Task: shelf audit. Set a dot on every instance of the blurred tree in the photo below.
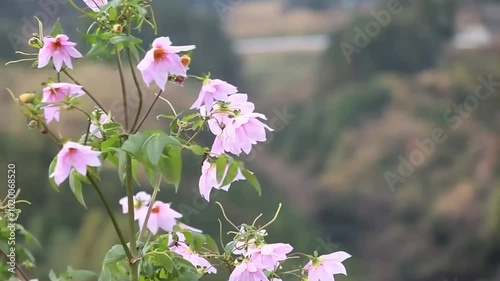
(408, 41)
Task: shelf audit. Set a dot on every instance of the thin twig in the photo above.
(124, 91)
(139, 90)
(113, 219)
(85, 90)
(19, 271)
(147, 112)
(151, 203)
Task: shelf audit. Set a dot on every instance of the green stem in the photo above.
(151, 202)
(124, 91)
(139, 91)
(110, 214)
(131, 221)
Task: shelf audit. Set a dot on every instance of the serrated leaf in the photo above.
(252, 179)
(221, 166)
(76, 188)
(114, 255)
(163, 260)
(134, 143)
(211, 244)
(154, 148)
(232, 172)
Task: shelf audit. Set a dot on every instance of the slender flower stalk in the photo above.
(111, 216)
(133, 245)
(84, 90)
(151, 203)
(147, 112)
(124, 91)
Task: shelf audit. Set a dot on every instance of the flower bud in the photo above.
(27, 98)
(35, 42)
(185, 60)
(117, 28)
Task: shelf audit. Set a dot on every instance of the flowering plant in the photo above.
(158, 246)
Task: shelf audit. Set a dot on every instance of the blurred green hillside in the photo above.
(349, 125)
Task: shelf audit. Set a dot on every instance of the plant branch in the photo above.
(151, 202)
(147, 112)
(131, 221)
(85, 90)
(139, 90)
(19, 271)
(110, 214)
(124, 91)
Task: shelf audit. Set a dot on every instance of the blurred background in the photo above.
(386, 141)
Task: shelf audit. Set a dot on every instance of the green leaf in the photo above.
(162, 259)
(52, 276)
(99, 49)
(112, 142)
(154, 148)
(81, 274)
(232, 172)
(134, 143)
(198, 150)
(122, 165)
(171, 165)
(112, 13)
(211, 244)
(252, 179)
(114, 255)
(76, 187)
(198, 241)
(190, 117)
(52, 167)
(57, 29)
(109, 128)
(124, 38)
(134, 51)
(221, 165)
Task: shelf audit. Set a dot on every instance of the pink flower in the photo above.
(56, 93)
(60, 49)
(269, 255)
(248, 271)
(238, 133)
(208, 179)
(214, 90)
(235, 125)
(141, 202)
(95, 129)
(192, 257)
(162, 60)
(77, 156)
(324, 267)
(161, 217)
(95, 5)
